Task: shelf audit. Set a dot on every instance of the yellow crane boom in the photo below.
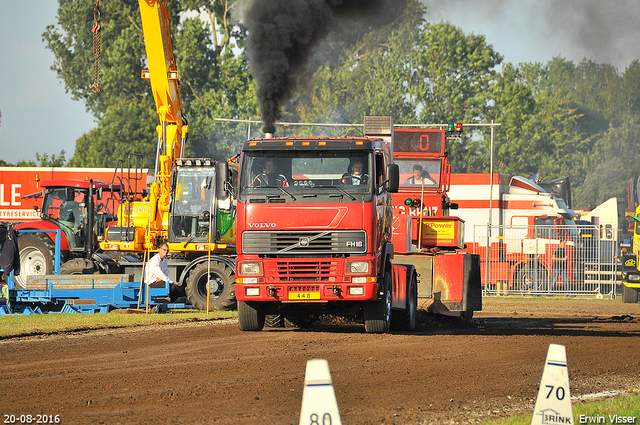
(163, 76)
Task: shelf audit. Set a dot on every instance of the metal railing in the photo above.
(520, 260)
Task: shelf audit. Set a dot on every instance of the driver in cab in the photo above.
(354, 174)
(270, 176)
(420, 177)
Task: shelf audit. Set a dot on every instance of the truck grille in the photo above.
(305, 242)
(309, 271)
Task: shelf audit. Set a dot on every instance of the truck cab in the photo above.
(314, 228)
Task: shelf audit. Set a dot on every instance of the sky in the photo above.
(39, 116)
(605, 31)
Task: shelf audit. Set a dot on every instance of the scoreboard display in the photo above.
(419, 141)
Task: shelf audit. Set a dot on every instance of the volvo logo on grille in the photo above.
(304, 241)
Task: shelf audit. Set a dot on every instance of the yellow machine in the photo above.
(631, 265)
(186, 205)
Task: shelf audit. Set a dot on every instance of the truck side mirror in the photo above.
(393, 178)
(99, 193)
(69, 194)
(222, 177)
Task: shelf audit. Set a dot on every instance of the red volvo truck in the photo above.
(315, 223)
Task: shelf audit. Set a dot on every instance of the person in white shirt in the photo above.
(420, 177)
(157, 268)
(355, 174)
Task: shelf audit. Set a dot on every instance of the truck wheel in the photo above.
(520, 278)
(377, 314)
(523, 275)
(629, 295)
(37, 255)
(294, 320)
(250, 316)
(79, 266)
(222, 290)
(405, 320)
(273, 321)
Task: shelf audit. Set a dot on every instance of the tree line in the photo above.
(558, 118)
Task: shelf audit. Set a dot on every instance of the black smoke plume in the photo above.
(282, 35)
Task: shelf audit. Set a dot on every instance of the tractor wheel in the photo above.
(273, 321)
(222, 289)
(405, 320)
(37, 255)
(629, 295)
(250, 315)
(377, 314)
(79, 266)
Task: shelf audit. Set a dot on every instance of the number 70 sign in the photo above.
(553, 405)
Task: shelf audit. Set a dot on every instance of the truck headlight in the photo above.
(633, 277)
(358, 267)
(250, 268)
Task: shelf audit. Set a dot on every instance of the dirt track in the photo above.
(210, 372)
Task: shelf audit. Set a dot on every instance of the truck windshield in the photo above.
(556, 228)
(305, 174)
(419, 172)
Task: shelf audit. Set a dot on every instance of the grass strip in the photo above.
(43, 324)
(597, 412)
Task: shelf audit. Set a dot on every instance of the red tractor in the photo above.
(81, 211)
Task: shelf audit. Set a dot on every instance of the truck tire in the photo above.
(405, 320)
(377, 314)
(524, 275)
(37, 255)
(629, 295)
(273, 321)
(222, 295)
(294, 320)
(466, 316)
(250, 316)
(79, 266)
(520, 278)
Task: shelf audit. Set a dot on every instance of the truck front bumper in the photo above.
(305, 280)
(305, 291)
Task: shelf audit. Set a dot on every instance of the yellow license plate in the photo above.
(304, 295)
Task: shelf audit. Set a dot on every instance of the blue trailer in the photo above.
(79, 293)
(99, 293)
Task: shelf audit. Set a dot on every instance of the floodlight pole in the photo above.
(490, 222)
(491, 179)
